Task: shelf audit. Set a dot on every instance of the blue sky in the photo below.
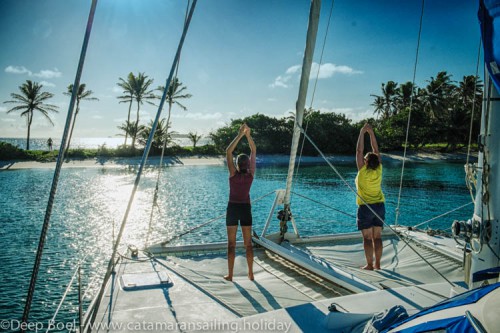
(239, 58)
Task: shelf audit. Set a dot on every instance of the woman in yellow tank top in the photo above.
(370, 199)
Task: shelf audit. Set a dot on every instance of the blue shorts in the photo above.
(239, 212)
(366, 219)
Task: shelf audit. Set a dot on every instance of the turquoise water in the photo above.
(90, 201)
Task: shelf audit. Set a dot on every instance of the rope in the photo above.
(374, 213)
(444, 214)
(143, 161)
(409, 113)
(57, 171)
(206, 223)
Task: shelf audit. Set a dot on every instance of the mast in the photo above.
(312, 31)
(482, 231)
(485, 226)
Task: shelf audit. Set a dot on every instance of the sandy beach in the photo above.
(113, 162)
(220, 160)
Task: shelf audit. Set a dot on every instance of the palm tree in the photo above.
(160, 138)
(31, 99)
(127, 97)
(194, 137)
(404, 96)
(81, 94)
(129, 129)
(436, 96)
(175, 92)
(140, 86)
(386, 104)
(379, 105)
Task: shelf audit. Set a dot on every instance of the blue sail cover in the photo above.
(458, 324)
(489, 18)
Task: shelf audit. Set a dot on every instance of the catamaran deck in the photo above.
(184, 290)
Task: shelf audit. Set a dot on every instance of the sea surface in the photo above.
(90, 204)
(91, 143)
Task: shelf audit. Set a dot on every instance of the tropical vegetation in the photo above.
(30, 99)
(81, 95)
(135, 88)
(444, 113)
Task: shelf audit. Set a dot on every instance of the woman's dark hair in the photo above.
(372, 161)
(242, 163)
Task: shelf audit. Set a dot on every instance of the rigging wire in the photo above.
(111, 262)
(323, 204)
(444, 214)
(409, 113)
(57, 171)
(164, 147)
(207, 222)
(374, 213)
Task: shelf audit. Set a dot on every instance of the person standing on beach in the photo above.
(370, 199)
(239, 208)
(49, 143)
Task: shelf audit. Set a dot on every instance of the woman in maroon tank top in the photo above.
(239, 209)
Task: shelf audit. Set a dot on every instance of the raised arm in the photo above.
(230, 149)
(253, 150)
(373, 142)
(360, 147)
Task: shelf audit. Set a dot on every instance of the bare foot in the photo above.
(377, 267)
(368, 267)
(250, 276)
(228, 278)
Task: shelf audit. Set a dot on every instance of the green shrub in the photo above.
(11, 152)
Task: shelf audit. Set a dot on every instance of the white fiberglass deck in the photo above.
(197, 298)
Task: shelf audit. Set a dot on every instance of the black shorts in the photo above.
(241, 212)
(366, 219)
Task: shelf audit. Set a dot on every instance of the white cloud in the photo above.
(3, 109)
(117, 90)
(18, 70)
(47, 84)
(48, 73)
(96, 116)
(271, 99)
(43, 74)
(280, 81)
(328, 70)
(198, 115)
(325, 71)
(294, 69)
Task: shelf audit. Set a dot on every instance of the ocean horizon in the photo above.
(91, 143)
